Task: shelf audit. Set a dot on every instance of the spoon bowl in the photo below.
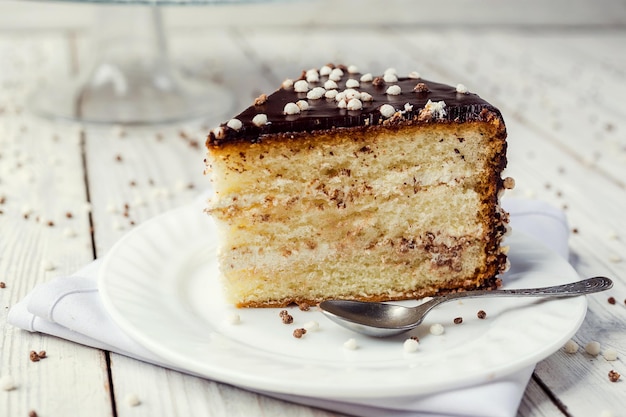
(384, 320)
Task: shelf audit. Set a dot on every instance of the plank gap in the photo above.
(107, 357)
(555, 400)
(83, 156)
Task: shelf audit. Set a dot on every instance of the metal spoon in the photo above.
(383, 320)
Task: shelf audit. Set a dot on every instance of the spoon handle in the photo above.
(586, 286)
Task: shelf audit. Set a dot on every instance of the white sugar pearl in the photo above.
(311, 326)
(593, 348)
(350, 344)
(610, 354)
(331, 94)
(366, 97)
(325, 70)
(260, 120)
(366, 78)
(436, 329)
(571, 347)
(7, 383)
(387, 110)
(354, 104)
(414, 75)
(288, 83)
(460, 88)
(394, 90)
(352, 83)
(47, 265)
(303, 105)
(335, 74)
(316, 93)
(353, 69)
(351, 93)
(312, 76)
(390, 78)
(233, 319)
(410, 345)
(291, 108)
(408, 107)
(234, 124)
(330, 84)
(132, 400)
(301, 86)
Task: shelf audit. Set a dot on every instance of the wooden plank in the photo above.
(578, 13)
(45, 233)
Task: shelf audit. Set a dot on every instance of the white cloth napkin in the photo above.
(70, 308)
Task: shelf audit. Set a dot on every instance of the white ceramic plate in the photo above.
(160, 284)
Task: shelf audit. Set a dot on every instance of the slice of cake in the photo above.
(345, 185)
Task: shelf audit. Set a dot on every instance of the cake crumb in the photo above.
(481, 314)
(2, 284)
(350, 344)
(32, 413)
(421, 88)
(614, 376)
(286, 317)
(304, 306)
(410, 345)
(298, 333)
(458, 320)
(611, 300)
(36, 357)
(570, 347)
(7, 383)
(610, 354)
(436, 329)
(262, 99)
(593, 348)
(132, 400)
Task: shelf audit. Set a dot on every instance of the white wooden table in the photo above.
(557, 71)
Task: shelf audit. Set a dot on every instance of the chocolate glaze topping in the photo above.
(324, 113)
